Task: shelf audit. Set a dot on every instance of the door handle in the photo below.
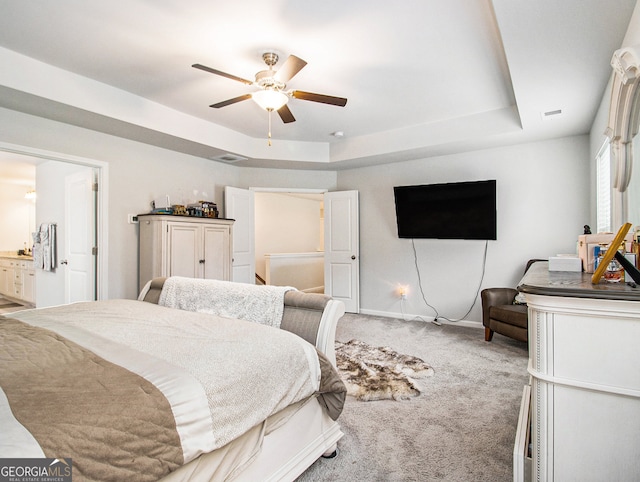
(201, 261)
(353, 256)
(64, 261)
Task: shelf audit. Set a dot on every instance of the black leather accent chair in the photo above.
(501, 315)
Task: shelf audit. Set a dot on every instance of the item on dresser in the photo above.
(618, 241)
(565, 262)
(627, 262)
(588, 243)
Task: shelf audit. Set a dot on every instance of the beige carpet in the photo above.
(461, 428)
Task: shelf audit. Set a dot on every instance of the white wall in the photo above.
(287, 178)
(632, 36)
(17, 217)
(543, 203)
(285, 224)
(138, 173)
(304, 271)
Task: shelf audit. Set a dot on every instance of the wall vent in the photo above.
(229, 158)
(551, 114)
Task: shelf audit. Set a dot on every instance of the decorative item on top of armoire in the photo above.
(188, 246)
(202, 209)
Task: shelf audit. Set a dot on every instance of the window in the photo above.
(633, 191)
(603, 186)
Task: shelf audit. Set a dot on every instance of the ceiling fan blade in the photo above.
(223, 74)
(227, 102)
(285, 114)
(324, 99)
(291, 67)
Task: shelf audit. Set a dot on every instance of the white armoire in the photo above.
(186, 246)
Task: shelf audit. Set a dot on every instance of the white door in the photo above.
(342, 248)
(239, 205)
(79, 260)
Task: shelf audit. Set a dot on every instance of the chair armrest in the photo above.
(493, 297)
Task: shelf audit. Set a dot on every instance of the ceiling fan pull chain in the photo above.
(269, 143)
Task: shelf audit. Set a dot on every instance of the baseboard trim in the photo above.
(426, 319)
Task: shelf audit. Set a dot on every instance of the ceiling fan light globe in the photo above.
(270, 99)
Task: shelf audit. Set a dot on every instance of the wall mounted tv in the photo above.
(459, 210)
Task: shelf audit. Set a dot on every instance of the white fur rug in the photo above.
(379, 373)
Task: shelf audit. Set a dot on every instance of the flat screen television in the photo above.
(459, 210)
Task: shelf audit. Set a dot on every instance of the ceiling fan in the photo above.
(272, 94)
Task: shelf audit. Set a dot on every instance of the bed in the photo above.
(175, 386)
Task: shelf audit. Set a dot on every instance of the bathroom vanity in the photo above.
(17, 278)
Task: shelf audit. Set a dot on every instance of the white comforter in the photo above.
(221, 376)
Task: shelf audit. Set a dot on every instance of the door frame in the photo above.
(102, 174)
(310, 191)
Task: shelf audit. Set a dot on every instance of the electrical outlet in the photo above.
(403, 292)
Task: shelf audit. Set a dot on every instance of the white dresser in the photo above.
(584, 362)
(186, 246)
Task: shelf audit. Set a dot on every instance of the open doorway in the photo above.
(341, 240)
(17, 203)
(289, 239)
(17, 222)
(52, 204)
